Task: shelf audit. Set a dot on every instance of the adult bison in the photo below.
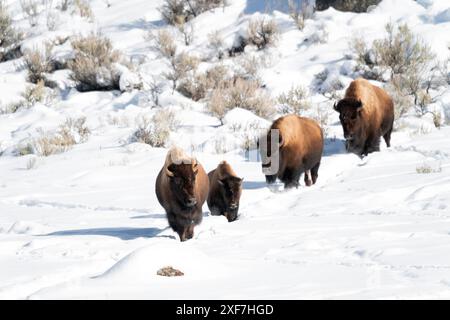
(225, 189)
(297, 150)
(366, 114)
(181, 188)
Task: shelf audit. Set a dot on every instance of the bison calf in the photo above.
(297, 150)
(181, 188)
(366, 114)
(224, 191)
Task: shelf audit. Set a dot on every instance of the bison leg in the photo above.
(308, 178)
(315, 172)
(189, 232)
(291, 178)
(387, 137)
(372, 145)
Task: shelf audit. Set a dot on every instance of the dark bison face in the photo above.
(269, 148)
(231, 188)
(350, 117)
(182, 183)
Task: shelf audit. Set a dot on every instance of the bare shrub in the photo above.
(262, 32)
(365, 58)
(64, 5)
(322, 117)
(181, 65)
(401, 50)
(77, 128)
(249, 66)
(300, 14)
(216, 43)
(34, 94)
(155, 131)
(9, 37)
(173, 12)
(402, 101)
(155, 89)
(241, 93)
(38, 63)
(164, 43)
(187, 30)
(217, 104)
(83, 8)
(296, 100)
(328, 85)
(93, 65)
(30, 9)
(52, 20)
(176, 12)
(197, 86)
(320, 35)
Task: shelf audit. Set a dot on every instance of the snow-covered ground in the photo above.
(86, 223)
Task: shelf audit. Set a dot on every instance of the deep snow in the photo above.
(86, 223)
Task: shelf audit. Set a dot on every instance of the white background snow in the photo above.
(86, 223)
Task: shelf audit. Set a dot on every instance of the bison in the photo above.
(181, 188)
(225, 190)
(298, 150)
(366, 114)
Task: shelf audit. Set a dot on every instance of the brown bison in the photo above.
(225, 190)
(298, 150)
(181, 188)
(366, 113)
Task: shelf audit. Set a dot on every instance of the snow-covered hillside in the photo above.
(86, 223)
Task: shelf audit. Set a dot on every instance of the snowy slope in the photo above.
(86, 223)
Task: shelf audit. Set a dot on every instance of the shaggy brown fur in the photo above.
(181, 188)
(225, 189)
(300, 151)
(366, 114)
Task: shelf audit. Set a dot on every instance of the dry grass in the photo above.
(427, 169)
(92, 68)
(71, 132)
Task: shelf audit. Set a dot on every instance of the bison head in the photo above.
(231, 188)
(350, 112)
(182, 179)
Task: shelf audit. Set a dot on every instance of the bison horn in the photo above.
(169, 173)
(360, 105)
(335, 106)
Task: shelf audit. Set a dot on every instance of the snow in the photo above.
(86, 223)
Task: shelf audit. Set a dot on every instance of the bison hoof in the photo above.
(308, 183)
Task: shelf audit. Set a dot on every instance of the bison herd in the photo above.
(291, 147)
